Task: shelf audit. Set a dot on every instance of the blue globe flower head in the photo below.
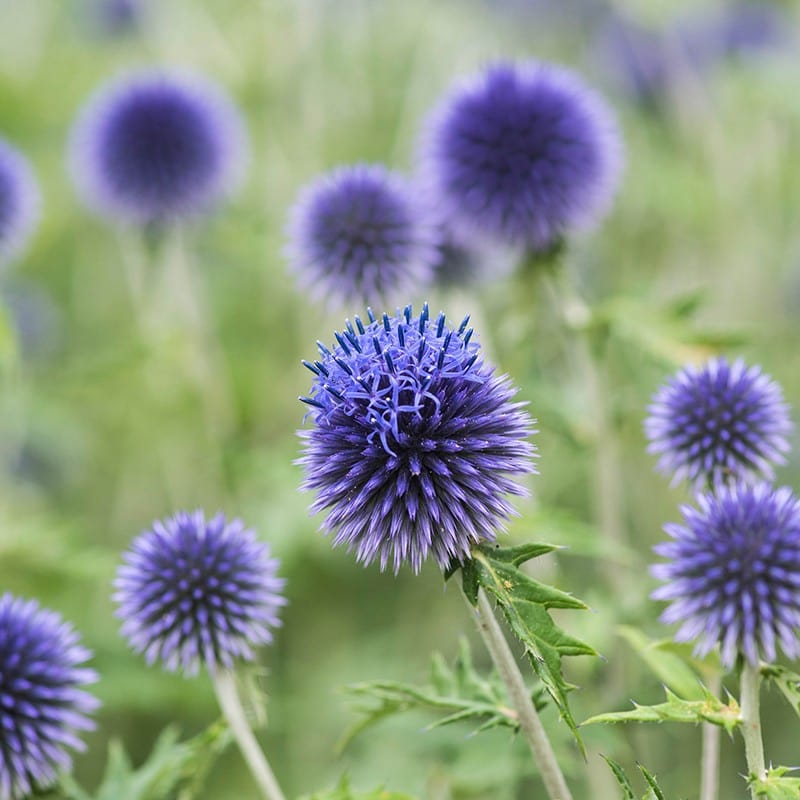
(194, 591)
(718, 422)
(416, 443)
(360, 233)
(42, 703)
(156, 147)
(19, 202)
(522, 155)
(733, 573)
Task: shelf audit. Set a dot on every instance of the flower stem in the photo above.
(231, 705)
(529, 720)
(709, 762)
(751, 722)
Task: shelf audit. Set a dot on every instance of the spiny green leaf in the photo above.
(622, 779)
(172, 765)
(344, 792)
(525, 603)
(460, 691)
(668, 667)
(787, 681)
(777, 785)
(656, 791)
(709, 709)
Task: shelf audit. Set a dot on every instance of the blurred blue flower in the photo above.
(522, 155)
(416, 442)
(194, 591)
(19, 201)
(154, 147)
(42, 704)
(718, 422)
(733, 573)
(745, 29)
(118, 16)
(359, 234)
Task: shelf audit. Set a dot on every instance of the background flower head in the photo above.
(718, 422)
(156, 146)
(360, 234)
(42, 702)
(196, 591)
(733, 573)
(522, 154)
(415, 443)
(19, 201)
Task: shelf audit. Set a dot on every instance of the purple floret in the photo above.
(359, 234)
(155, 147)
(522, 155)
(196, 591)
(416, 442)
(718, 422)
(42, 703)
(19, 201)
(733, 573)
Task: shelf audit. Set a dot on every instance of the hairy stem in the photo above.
(529, 721)
(751, 722)
(231, 705)
(709, 761)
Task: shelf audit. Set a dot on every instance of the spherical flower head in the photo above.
(359, 233)
(416, 442)
(522, 154)
(156, 147)
(19, 202)
(733, 573)
(718, 422)
(42, 704)
(194, 591)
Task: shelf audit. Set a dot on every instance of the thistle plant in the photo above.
(358, 233)
(198, 592)
(43, 704)
(19, 202)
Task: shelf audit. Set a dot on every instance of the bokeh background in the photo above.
(104, 427)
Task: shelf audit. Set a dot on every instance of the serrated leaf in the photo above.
(171, 765)
(622, 779)
(709, 709)
(525, 603)
(777, 785)
(668, 667)
(787, 681)
(344, 792)
(656, 791)
(459, 691)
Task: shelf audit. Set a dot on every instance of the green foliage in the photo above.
(777, 785)
(787, 681)
(459, 691)
(654, 792)
(344, 792)
(173, 769)
(525, 603)
(709, 709)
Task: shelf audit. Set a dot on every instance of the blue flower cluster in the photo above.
(518, 157)
(732, 575)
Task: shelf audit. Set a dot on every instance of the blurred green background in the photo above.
(104, 428)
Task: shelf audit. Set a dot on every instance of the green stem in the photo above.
(709, 761)
(231, 705)
(751, 722)
(529, 721)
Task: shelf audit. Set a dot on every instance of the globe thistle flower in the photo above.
(152, 147)
(416, 442)
(194, 591)
(522, 155)
(360, 233)
(42, 704)
(19, 201)
(718, 422)
(733, 573)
